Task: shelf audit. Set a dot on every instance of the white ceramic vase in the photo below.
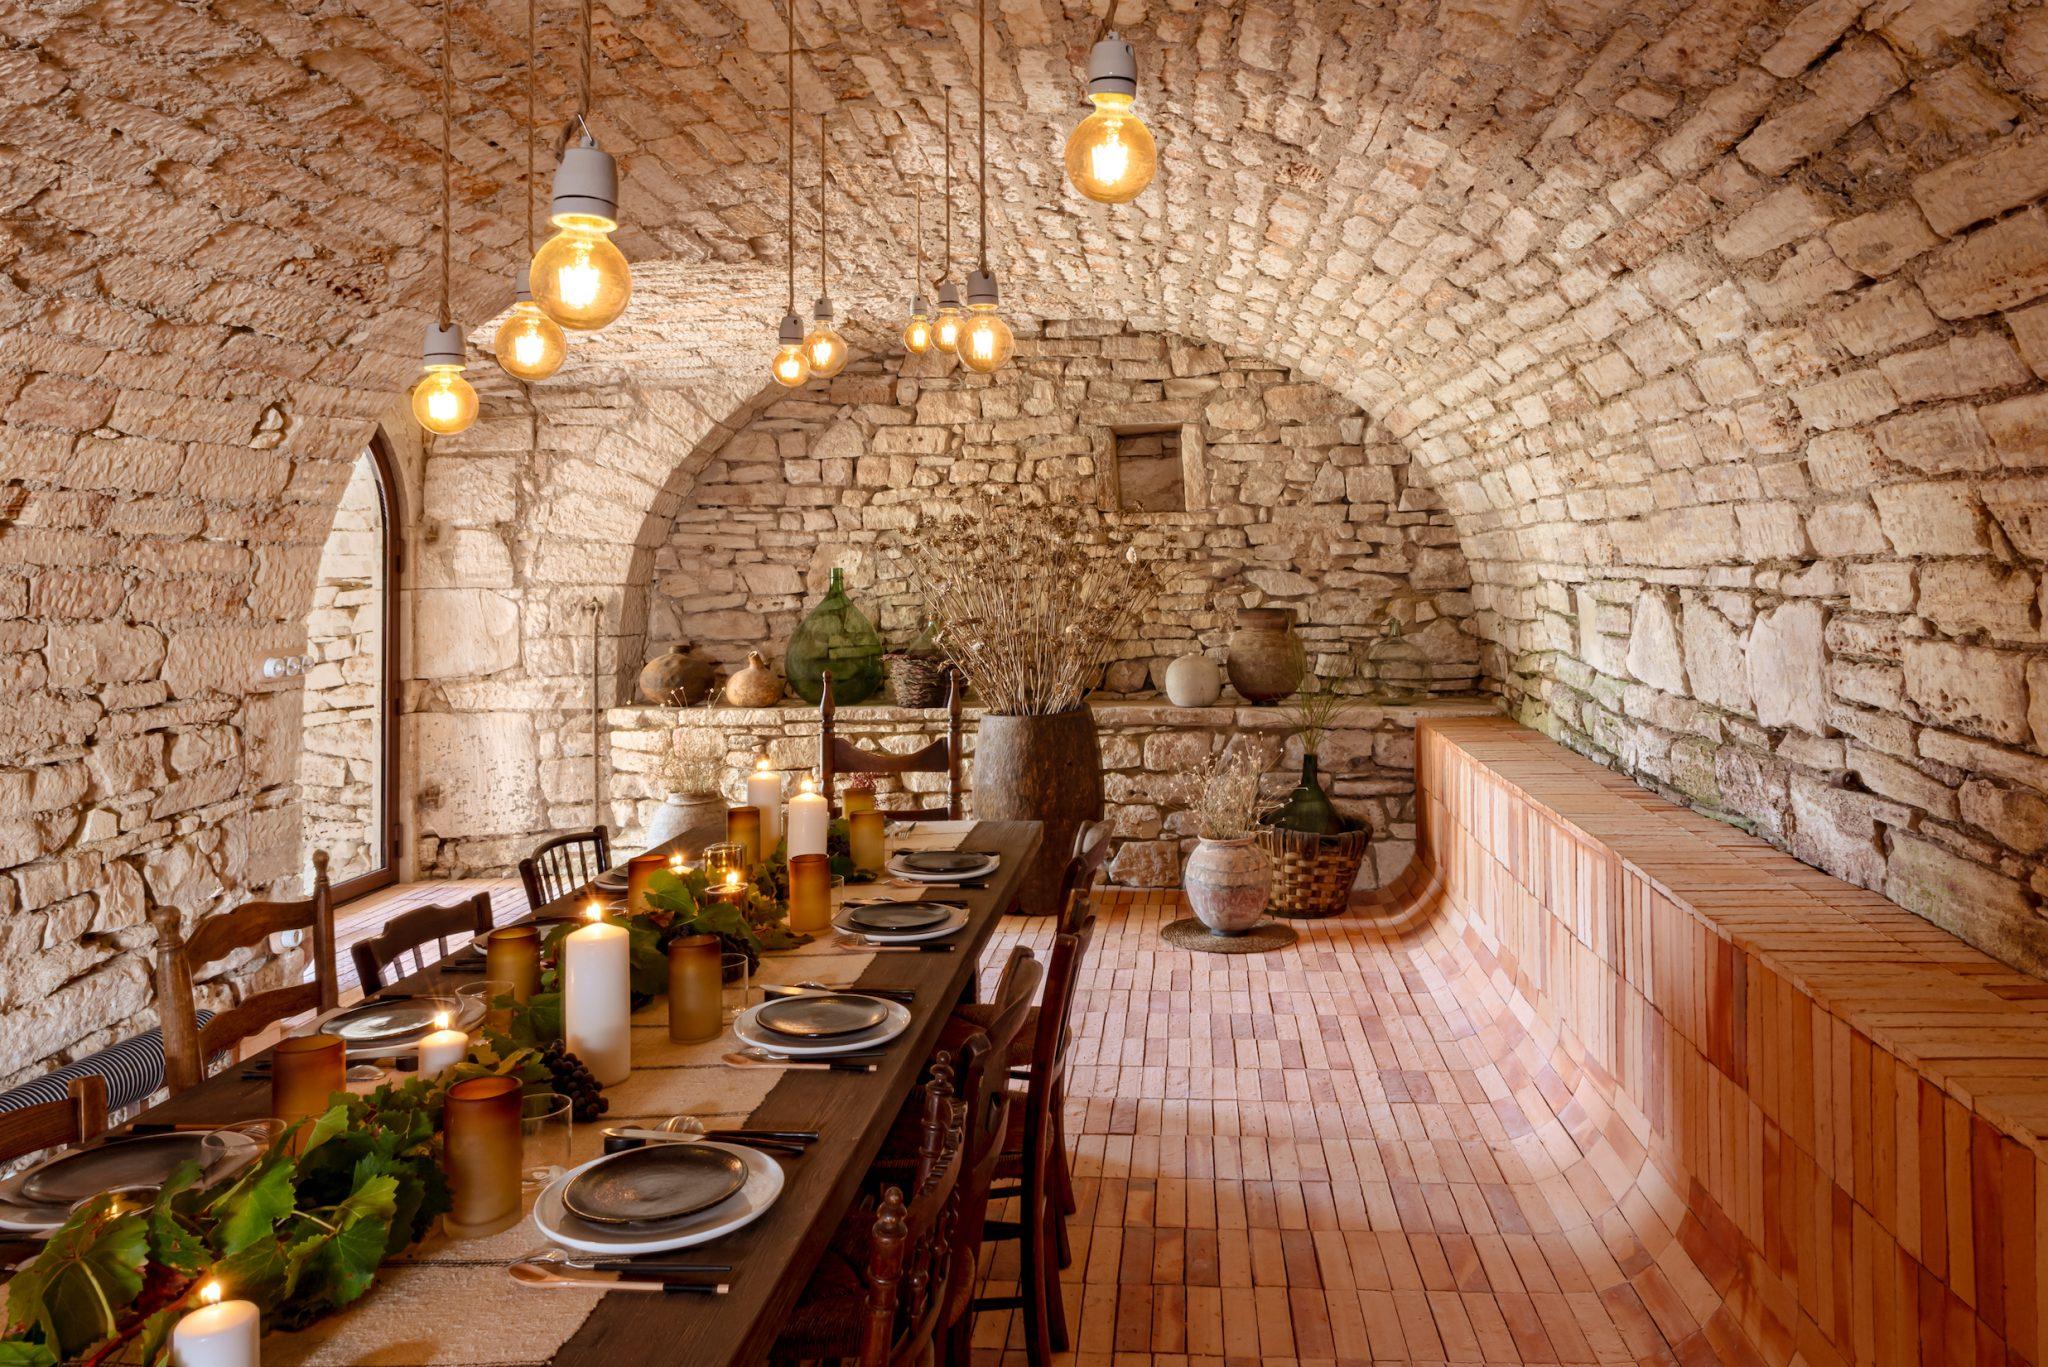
(1226, 882)
(1193, 680)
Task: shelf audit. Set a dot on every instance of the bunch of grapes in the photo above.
(573, 1079)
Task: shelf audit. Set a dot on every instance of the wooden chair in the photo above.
(560, 866)
(80, 1116)
(837, 755)
(879, 1295)
(1091, 852)
(408, 934)
(187, 1044)
(1033, 1160)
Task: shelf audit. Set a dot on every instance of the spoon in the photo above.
(742, 1060)
(533, 1274)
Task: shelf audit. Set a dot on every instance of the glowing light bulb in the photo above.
(791, 366)
(917, 335)
(578, 276)
(1110, 154)
(986, 341)
(946, 328)
(530, 345)
(826, 350)
(443, 402)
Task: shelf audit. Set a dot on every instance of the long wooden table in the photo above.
(852, 1112)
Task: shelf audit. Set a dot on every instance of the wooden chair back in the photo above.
(1091, 852)
(187, 1044)
(407, 935)
(564, 863)
(1046, 1076)
(911, 1260)
(52, 1124)
(837, 755)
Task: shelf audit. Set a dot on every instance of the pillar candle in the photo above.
(443, 1049)
(638, 870)
(810, 893)
(764, 790)
(743, 828)
(597, 997)
(512, 955)
(856, 800)
(696, 997)
(809, 815)
(864, 836)
(481, 1122)
(218, 1334)
(306, 1070)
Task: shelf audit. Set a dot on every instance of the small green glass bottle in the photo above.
(1308, 808)
(838, 637)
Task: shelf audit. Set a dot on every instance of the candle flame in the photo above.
(810, 786)
(210, 1293)
(440, 1020)
(761, 765)
(594, 912)
(732, 878)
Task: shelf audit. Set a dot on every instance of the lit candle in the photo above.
(764, 790)
(864, 832)
(678, 866)
(597, 997)
(512, 955)
(809, 815)
(443, 1049)
(743, 828)
(810, 894)
(218, 1334)
(638, 870)
(732, 889)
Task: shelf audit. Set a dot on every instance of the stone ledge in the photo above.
(1110, 714)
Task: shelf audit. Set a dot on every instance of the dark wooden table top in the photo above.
(852, 1112)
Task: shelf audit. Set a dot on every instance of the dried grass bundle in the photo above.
(1222, 792)
(1029, 602)
(688, 766)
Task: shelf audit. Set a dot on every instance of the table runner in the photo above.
(449, 1303)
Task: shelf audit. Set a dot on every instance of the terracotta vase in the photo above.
(1226, 882)
(1266, 661)
(1045, 769)
(677, 679)
(754, 686)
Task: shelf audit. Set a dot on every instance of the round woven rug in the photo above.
(1188, 933)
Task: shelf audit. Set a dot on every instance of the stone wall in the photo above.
(341, 751)
(1294, 498)
(1368, 764)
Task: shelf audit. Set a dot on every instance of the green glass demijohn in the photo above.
(1308, 808)
(836, 636)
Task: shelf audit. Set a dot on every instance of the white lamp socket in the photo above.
(286, 666)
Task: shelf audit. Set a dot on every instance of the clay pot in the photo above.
(754, 686)
(1045, 769)
(1266, 661)
(677, 679)
(680, 812)
(1226, 882)
(1193, 680)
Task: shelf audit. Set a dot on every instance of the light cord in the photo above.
(823, 292)
(583, 109)
(946, 264)
(447, 141)
(790, 178)
(981, 93)
(532, 79)
(1108, 14)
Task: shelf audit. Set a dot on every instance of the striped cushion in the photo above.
(134, 1068)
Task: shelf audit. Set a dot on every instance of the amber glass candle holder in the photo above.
(810, 893)
(696, 997)
(512, 955)
(743, 828)
(864, 836)
(723, 858)
(638, 870)
(305, 1071)
(855, 800)
(483, 1129)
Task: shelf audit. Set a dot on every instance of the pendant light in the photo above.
(917, 333)
(578, 275)
(530, 345)
(1110, 154)
(946, 327)
(985, 339)
(791, 365)
(443, 401)
(824, 345)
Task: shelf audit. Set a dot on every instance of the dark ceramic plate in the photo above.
(658, 1182)
(822, 1016)
(898, 916)
(381, 1022)
(942, 861)
(145, 1161)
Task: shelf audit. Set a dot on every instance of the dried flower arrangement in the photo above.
(1320, 704)
(687, 766)
(1222, 792)
(1025, 602)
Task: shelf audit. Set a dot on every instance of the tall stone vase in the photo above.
(1045, 769)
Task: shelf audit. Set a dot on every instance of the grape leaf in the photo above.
(15, 1353)
(250, 1211)
(87, 1271)
(171, 1242)
(544, 1015)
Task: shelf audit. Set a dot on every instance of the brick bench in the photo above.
(1837, 1108)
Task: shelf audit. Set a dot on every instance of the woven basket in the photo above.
(919, 680)
(1312, 874)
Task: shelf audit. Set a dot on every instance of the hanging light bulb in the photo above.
(1110, 154)
(529, 345)
(946, 326)
(792, 363)
(824, 346)
(578, 276)
(917, 333)
(985, 340)
(443, 402)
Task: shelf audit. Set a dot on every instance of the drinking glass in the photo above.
(546, 1130)
(479, 995)
(736, 969)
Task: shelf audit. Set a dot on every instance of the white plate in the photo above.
(743, 1207)
(896, 870)
(611, 880)
(30, 1218)
(954, 920)
(466, 1013)
(761, 1037)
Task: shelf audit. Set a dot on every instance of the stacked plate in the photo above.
(900, 922)
(941, 866)
(385, 1027)
(38, 1199)
(821, 1023)
(660, 1197)
(611, 880)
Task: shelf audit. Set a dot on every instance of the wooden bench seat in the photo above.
(1835, 1108)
